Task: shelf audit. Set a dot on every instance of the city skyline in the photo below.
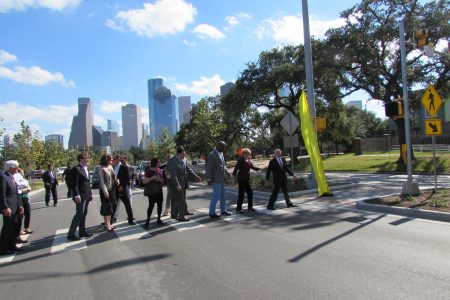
(107, 52)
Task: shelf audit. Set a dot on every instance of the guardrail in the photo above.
(425, 148)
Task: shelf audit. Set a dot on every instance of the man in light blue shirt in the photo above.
(216, 172)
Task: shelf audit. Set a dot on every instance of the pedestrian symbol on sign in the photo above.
(431, 100)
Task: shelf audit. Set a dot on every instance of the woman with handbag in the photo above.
(107, 179)
(154, 181)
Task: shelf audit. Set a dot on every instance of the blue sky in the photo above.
(54, 51)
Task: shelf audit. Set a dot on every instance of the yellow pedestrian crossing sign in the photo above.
(433, 127)
(431, 100)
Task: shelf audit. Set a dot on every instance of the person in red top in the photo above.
(242, 173)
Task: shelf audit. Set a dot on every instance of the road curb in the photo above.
(404, 211)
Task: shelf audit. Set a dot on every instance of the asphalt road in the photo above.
(322, 249)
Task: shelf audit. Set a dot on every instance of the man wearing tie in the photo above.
(50, 183)
(10, 207)
(178, 183)
(278, 166)
(81, 196)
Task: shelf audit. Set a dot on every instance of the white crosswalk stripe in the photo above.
(62, 244)
(126, 232)
(9, 258)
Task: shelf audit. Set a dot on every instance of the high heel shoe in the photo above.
(108, 229)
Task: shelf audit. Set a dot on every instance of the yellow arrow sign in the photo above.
(433, 127)
(431, 100)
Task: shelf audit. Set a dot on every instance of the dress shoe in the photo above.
(183, 220)
(17, 249)
(159, 222)
(291, 205)
(73, 238)
(225, 213)
(173, 217)
(251, 209)
(239, 211)
(270, 208)
(86, 234)
(189, 213)
(132, 223)
(20, 241)
(214, 216)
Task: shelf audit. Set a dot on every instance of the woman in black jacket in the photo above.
(242, 172)
(154, 176)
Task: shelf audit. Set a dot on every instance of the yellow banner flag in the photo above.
(309, 136)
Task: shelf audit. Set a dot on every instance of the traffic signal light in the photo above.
(394, 109)
(422, 37)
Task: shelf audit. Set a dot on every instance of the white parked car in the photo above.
(60, 171)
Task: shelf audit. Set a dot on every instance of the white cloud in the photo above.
(6, 5)
(112, 106)
(232, 20)
(205, 86)
(205, 31)
(100, 121)
(145, 115)
(6, 57)
(35, 76)
(35, 117)
(289, 29)
(188, 43)
(162, 18)
(236, 19)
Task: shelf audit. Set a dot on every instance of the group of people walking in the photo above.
(15, 206)
(115, 181)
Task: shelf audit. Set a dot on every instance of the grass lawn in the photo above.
(381, 163)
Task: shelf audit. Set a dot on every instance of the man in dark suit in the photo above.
(82, 194)
(10, 207)
(124, 177)
(50, 184)
(178, 183)
(279, 167)
(66, 178)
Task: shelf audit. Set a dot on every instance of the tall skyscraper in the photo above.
(163, 109)
(55, 137)
(110, 139)
(6, 140)
(112, 125)
(225, 89)
(184, 109)
(97, 136)
(81, 132)
(131, 126)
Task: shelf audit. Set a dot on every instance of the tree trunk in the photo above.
(402, 140)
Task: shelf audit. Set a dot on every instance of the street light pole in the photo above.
(409, 187)
(309, 75)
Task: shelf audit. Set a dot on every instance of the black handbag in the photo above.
(106, 209)
(151, 188)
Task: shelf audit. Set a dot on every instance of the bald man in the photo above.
(279, 168)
